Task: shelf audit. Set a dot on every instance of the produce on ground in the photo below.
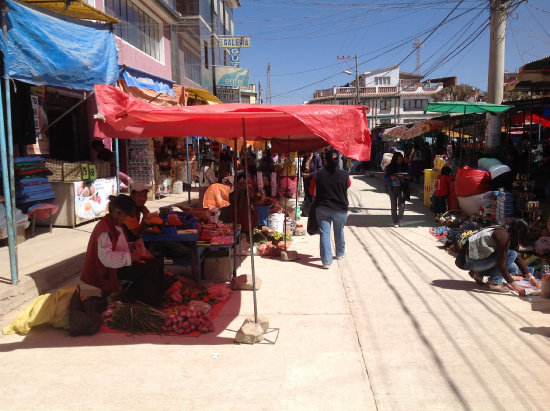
(186, 319)
(134, 318)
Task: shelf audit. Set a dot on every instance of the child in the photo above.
(442, 190)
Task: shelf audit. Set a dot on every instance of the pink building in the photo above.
(143, 35)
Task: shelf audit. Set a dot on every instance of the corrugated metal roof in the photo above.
(74, 8)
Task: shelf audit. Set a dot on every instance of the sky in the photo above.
(303, 40)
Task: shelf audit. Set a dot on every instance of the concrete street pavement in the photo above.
(395, 325)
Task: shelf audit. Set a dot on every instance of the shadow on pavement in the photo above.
(422, 264)
(544, 331)
(466, 286)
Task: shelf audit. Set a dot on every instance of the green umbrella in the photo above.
(464, 107)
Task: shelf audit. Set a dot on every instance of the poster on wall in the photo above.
(92, 198)
(42, 145)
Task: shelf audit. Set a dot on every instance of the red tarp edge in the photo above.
(303, 126)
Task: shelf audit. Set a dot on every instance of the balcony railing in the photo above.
(351, 91)
(323, 93)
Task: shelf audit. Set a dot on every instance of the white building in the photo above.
(394, 97)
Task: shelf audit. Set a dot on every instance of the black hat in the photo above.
(124, 203)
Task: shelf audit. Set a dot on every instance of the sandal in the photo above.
(475, 276)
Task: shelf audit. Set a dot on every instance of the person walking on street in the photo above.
(416, 162)
(311, 165)
(397, 176)
(329, 186)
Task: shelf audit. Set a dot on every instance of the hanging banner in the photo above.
(232, 76)
(42, 145)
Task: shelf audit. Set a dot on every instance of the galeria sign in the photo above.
(235, 41)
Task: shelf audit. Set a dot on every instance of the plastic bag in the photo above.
(220, 291)
(48, 309)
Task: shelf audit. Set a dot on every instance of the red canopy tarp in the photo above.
(519, 118)
(288, 127)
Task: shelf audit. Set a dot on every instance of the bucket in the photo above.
(276, 222)
(430, 175)
(177, 187)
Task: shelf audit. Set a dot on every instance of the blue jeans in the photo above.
(487, 267)
(324, 218)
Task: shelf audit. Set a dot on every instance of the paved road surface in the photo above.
(394, 326)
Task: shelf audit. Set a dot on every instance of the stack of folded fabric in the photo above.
(20, 220)
(31, 182)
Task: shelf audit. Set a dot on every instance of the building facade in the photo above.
(195, 45)
(393, 96)
(143, 35)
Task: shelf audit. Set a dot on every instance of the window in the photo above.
(215, 6)
(414, 104)
(192, 65)
(382, 81)
(227, 23)
(206, 55)
(385, 104)
(136, 27)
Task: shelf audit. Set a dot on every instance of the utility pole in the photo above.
(417, 44)
(268, 91)
(357, 79)
(357, 89)
(495, 83)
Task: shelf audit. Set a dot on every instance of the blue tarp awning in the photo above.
(45, 48)
(143, 80)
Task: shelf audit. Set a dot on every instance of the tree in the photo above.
(460, 92)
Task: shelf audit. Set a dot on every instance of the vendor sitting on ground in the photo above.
(110, 260)
(134, 222)
(492, 252)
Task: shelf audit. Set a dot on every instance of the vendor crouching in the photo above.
(110, 260)
(492, 252)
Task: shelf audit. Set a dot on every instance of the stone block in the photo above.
(289, 255)
(244, 282)
(262, 320)
(250, 333)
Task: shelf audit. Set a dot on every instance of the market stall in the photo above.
(296, 127)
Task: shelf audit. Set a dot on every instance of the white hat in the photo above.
(140, 187)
